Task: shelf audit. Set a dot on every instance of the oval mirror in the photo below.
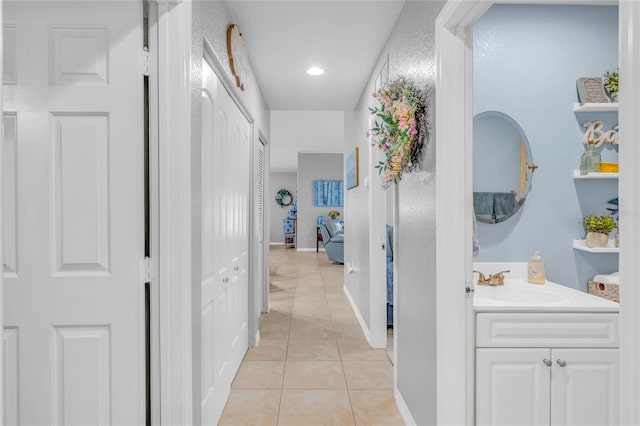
(502, 167)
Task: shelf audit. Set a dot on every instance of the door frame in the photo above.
(174, 210)
(454, 201)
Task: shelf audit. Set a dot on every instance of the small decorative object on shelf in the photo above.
(594, 132)
(611, 84)
(614, 212)
(590, 90)
(399, 128)
(333, 214)
(284, 197)
(598, 229)
(590, 160)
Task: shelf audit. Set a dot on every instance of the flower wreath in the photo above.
(284, 197)
(399, 128)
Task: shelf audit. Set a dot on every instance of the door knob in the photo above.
(561, 363)
(547, 362)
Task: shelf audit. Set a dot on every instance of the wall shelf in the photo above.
(582, 245)
(591, 107)
(595, 175)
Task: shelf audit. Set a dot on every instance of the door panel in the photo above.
(585, 391)
(73, 293)
(512, 387)
(225, 193)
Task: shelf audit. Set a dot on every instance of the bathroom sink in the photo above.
(518, 294)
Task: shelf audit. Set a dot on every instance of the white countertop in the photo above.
(519, 295)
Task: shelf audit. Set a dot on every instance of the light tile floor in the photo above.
(313, 365)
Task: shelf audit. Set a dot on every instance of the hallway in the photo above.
(313, 364)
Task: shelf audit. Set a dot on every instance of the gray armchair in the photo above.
(333, 242)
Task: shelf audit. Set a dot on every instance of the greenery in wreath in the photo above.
(399, 127)
(284, 197)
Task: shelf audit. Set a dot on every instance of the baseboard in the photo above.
(276, 244)
(257, 337)
(309, 249)
(356, 311)
(403, 409)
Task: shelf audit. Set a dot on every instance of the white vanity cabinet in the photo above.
(527, 373)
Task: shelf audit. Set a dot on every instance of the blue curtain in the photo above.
(328, 193)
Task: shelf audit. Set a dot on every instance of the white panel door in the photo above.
(225, 216)
(584, 387)
(74, 336)
(512, 387)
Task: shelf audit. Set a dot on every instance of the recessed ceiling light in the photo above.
(315, 71)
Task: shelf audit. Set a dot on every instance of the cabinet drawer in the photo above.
(534, 330)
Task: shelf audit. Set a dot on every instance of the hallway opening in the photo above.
(313, 364)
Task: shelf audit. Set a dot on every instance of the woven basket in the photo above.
(606, 291)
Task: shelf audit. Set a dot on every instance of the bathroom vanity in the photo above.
(544, 354)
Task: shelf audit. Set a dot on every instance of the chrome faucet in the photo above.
(494, 280)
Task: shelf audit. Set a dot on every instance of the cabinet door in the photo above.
(584, 387)
(512, 386)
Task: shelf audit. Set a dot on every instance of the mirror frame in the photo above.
(531, 167)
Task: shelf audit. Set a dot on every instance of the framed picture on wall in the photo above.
(328, 193)
(352, 169)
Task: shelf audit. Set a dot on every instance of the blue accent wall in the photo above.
(526, 61)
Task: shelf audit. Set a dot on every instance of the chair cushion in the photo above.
(338, 238)
(331, 227)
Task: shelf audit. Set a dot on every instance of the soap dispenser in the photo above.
(535, 272)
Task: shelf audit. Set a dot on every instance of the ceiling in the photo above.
(285, 38)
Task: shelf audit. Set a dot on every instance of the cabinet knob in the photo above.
(561, 363)
(547, 362)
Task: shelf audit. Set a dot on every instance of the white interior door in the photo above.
(260, 280)
(73, 193)
(225, 243)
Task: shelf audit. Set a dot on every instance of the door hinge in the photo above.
(468, 291)
(145, 62)
(149, 270)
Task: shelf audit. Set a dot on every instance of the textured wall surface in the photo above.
(210, 20)
(315, 166)
(526, 62)
(411, 50)
(278, 181)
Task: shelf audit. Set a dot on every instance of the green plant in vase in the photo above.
(611, 84)
(598, 229)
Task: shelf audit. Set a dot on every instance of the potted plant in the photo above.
(598, 229)
(611, 84)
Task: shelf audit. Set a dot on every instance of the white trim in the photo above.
(2, 209)
(276, 244)
(453, 121)
(313, 249)
(629, 24)
(377, 254)
(356, 311)
(174, 151)
(403, 409)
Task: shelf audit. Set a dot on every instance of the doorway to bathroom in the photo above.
(454, 53)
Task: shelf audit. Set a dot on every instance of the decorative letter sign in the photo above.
(594, 132)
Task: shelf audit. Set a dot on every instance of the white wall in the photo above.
(303, 131)
(410, 48)
(315, 166)
(278, 181)
(211, 19)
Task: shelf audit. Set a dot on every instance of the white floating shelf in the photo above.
(582, 245)
(595, 175)
(591, 107)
